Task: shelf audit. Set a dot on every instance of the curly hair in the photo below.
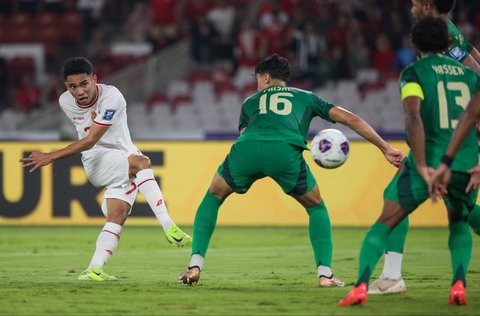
(431, 35)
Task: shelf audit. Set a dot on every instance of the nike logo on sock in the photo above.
(160, 202)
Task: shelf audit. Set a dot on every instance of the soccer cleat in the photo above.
(190, 276)
(95, 274)
(458, 294)
(324, 281)
(177, 237)
(384, 285)
(357, 296)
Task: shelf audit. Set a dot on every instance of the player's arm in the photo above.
(473, 60)
(362, 128)
(416, 133)
(39, 159)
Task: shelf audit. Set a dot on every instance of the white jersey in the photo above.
(109, 108)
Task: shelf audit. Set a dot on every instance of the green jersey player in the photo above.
(390, 280)
(435, 91)
(273, 125)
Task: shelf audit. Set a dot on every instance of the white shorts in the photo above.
(109, 169)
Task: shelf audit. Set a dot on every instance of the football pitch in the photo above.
(248, 271)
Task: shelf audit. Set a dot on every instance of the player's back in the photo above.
(447, 87)
(281, 113)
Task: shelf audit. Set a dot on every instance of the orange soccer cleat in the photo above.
(356, 296)
(458, 294)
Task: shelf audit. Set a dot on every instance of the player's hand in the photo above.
(474, 178)
(439, 182)
(36, 160)
(426, 173)
(394, 156)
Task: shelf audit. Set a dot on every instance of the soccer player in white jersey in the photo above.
(110, 160)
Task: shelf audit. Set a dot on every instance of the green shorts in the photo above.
(252, 160)
(409, 190)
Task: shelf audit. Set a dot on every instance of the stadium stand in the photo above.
(198, 57)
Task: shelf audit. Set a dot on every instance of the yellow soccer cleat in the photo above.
(177, 237)
(95, 274)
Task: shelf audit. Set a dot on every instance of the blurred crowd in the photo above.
(324, 39)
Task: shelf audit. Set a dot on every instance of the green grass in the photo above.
(248, 271)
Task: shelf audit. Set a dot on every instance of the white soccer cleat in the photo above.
(384, 285)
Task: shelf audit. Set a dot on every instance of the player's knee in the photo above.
(139, 163)
(118, 216)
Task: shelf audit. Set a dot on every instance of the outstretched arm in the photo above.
(39, 159)
(362, 128)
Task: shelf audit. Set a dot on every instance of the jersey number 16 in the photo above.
(278, 103)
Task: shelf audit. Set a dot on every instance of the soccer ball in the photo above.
(330, 148)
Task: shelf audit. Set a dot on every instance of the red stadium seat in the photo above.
(18, 66)
(71, 25)
(50, 37)
(199, 74)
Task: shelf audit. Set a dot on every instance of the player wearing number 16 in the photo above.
(273, 125)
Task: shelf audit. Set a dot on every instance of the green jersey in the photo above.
(445, 88)
(459, 47)
(282, 114)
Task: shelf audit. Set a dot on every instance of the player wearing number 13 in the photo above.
(435, 91)
(273, 125)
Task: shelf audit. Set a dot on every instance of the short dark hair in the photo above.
(75, 66)
(277, 66)
(444, 6)
(431, 35)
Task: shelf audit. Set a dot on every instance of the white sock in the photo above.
(324, 271)
(392, 268)
(107, 242)
(148, 186)
(196, 260)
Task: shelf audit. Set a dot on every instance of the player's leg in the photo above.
(295, 178)
(140, 168)
(107, 241)
(372, 249)
(235, 174)
(460, 245)
(320, 232)
(391, 280)
(405, 193)
(458, 204)
(204, 226)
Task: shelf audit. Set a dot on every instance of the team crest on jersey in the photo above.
(456, 53)
(93, 115)
(108, 114)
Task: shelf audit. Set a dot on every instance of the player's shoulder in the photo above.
(66, 99)
(109, 90)
(251, 97)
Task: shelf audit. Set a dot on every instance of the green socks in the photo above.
(460, 245)
(396, 239)
(205, 222)
(320, 234)
(372, 249)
